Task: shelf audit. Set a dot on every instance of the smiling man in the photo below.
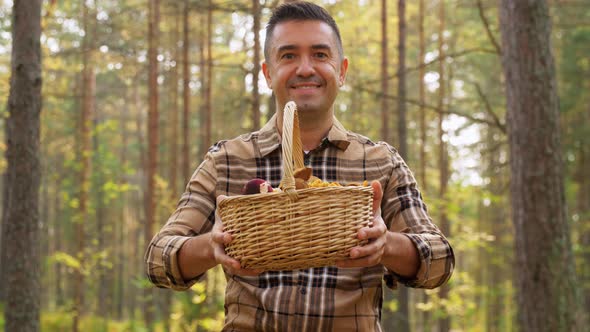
(304, 63)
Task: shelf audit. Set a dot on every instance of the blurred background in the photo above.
(434, 89)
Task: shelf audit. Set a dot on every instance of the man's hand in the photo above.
(372, 253)
(219, 239)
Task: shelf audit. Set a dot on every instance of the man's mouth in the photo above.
(303, 84)
(306, 86)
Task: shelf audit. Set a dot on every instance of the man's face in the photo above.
(304, 65)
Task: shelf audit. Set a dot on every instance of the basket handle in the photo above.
(292, 148)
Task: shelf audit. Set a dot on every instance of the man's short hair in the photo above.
(300, 11)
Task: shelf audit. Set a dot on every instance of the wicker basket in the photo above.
(295, 229)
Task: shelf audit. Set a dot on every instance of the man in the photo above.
(304, 62)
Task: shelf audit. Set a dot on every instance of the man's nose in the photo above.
(305, 67)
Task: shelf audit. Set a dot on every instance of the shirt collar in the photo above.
(269, 138)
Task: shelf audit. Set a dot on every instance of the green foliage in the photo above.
(59, 321)
(56, 321)
(66, 259)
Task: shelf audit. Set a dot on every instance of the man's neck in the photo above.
(313, 127)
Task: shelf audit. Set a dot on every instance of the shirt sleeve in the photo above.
(405, 212)
(194, 215)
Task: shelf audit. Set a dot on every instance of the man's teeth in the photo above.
(305, 87)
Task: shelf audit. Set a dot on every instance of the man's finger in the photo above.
(220, 198)
(359, 262)
(375, 229)
(224, 259)
(371, 232)
(377, 196)
(367, 250)
(221, 237)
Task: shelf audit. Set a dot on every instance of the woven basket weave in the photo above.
(295, 229)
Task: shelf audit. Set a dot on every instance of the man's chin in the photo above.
(306, 107)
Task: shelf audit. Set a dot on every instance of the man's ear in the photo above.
(343, 70)
(266, 73)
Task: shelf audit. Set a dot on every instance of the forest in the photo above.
(487, 101)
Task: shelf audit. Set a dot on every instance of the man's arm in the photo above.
(400, 255)
(195, 257)
(409, 245)
(418, 260)
(187, 228)
(405, 212)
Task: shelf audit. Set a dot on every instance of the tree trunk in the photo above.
(445, 320)
(206, 115)
(101, 230)
(401, 85)
(44, 224)
(425, 317)
(404, 310)
(389, 318)
(421, 96)
(58, 238)
(153, 138)
(186, 95)
(494, 221)
(256, 68)
(583, 207)
(384, 79)
(137, 232)
(122, 224)
(3, 257)
(546, 284)
(203, 79)
(21, 217)
(173, 159)
(85, 152)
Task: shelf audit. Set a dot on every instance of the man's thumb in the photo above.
(377, 195)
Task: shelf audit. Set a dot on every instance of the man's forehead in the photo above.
(297, 32)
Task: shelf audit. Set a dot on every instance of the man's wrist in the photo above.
(400, 255)
(389, 248)
(196, 256)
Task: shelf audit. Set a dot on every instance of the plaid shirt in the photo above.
(318, 299)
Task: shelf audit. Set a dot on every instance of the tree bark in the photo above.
(445, 320)
(85, 152)
(122, 225)
(494, 221)
(203, 79)
(21, 216)
(186, 95)
(173, 138)
(384, 77)
(137, 232)
(583, 206)
(206, 115)
(401, 77)
(153, 139)
(104, 277)
(404, 310)
(546, 284)
(425, 317)
(256, 68)
(58, 246)
(389, 318)
(421, 98)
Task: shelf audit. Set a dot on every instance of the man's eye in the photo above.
(288, 56)
(321, 55)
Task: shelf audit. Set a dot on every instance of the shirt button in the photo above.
(303, 291)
